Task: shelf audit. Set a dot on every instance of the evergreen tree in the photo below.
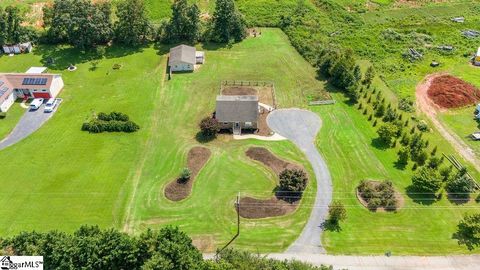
(228, 23)
(132, 27)
(184, 24)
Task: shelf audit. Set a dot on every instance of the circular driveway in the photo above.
(301, 127)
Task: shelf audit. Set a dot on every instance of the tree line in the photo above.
(90, 247)
(86, 24)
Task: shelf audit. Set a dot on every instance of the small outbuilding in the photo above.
(237, 112)
(18, 48)
(184, 58)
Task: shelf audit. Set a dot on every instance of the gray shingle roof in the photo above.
(182, 53)
(237, 108)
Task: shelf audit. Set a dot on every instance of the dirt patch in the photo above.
(205, 244)
(239, 91)
(178, 190)
(449, 92)
(275, 206)
(264, 91)
(270, 160)
(427, 106)
(399, 198)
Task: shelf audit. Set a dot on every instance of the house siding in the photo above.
(7, 103)
(181, 67)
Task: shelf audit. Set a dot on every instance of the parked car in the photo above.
(51, 105)
(36, 103)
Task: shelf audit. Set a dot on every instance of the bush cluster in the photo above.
(378, 194)
(292, 183)
(112, 122)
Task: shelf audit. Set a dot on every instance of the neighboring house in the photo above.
(477, 112)
(25, 85)
(18, 48)
(184, 58)
(476, 60)
(237, 112)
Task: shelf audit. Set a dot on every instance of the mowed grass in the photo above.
(60, 177)
(208, 215)
(420, 227)
(8, 123)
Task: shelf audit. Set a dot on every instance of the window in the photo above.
(248, 124)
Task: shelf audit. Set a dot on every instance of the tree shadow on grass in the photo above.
(59, 57)
(421, 197)
(203, 138)
(458, 199)
(329, 225)
(379, 144)
(287, 196)
(400, 165)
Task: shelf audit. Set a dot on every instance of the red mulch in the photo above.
(178, 190)
(450, 92)
(273, 207)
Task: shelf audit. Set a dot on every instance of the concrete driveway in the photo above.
(301, 127)
(30, 122)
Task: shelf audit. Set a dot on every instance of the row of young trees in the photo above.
(166, 249)
(86, 23)
(431, 174)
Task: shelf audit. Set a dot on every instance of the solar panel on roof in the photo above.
(34, 81)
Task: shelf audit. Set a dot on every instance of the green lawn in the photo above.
(208, 215)
(109, 179)
(8, 123)
(60, 177)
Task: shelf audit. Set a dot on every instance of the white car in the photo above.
(36, 103)
(51, 105)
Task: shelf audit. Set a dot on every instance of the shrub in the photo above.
(3, 115)
(292, 183)
(336, 212)
(185, 175)
(427, 180)
(112, 122)
(378, 194)
(422, 126)
(461, 185)
(209, 126)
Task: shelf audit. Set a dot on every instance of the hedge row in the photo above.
(112, 122)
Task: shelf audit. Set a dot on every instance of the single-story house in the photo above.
(476, 60)
(237, 112)
(184, 58)
(18, 48)
(25, 85)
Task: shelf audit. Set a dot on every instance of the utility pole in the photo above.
(237, 206)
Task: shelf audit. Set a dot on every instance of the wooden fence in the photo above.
(252, 84)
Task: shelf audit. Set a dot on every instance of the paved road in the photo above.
(30, 122)
(457, 262)
(301, 127)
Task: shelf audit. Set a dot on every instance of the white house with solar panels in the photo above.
(26, 86)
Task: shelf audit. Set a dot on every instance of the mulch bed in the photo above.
(450, 92)
(266, 157)
(398, 196)
(197, 158)
(273, 207)
(239, 91)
